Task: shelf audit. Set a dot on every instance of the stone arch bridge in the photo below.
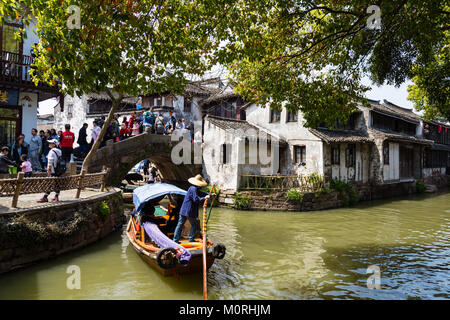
(122, 156)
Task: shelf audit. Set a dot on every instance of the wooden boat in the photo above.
(127, 192)
(167, 260)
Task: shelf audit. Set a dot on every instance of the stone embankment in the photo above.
(277, 201)
(31, 235)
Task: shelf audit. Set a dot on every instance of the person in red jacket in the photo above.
(66, 144)
(133, 118)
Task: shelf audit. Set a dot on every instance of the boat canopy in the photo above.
(152, 191)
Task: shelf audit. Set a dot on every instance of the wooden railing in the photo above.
(22, 185)
(14, 68)
(311, 183)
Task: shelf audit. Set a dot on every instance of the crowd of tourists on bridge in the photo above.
(32, 156)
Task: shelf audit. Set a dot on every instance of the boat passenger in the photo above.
(189, 208)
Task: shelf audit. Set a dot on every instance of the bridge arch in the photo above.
(122, 156)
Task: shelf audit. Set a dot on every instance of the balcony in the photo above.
(14, 72)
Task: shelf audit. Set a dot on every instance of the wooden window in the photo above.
(275, 116)
(9, 43)
(187, 105)
(292, 116)
(350, 155)
(225, 152)
(69, 111)
(386, 153)
(299, 154)
(336, 154)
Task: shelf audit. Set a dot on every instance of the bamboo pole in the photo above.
(19, 182)
(205, 278)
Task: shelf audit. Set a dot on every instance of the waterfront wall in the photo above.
(32, 235)
(277, 201)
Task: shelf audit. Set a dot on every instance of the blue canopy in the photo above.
(153, 190)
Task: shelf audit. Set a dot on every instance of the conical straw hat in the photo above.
(198, 181)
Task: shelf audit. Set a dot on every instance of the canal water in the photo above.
(275, 255)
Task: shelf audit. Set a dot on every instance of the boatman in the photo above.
(189, 208)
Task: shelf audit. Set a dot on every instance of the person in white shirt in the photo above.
(95, 131)
(52, 161)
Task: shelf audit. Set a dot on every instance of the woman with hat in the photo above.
(189, 208)
(52, 161)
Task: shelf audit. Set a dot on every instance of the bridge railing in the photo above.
(22, 185)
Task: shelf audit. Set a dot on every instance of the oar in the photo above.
(210, 207)
(205, 278)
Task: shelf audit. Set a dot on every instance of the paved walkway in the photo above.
(28, 201)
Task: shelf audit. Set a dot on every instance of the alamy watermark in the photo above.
(234, 146)
(374, 20)
(74, 280)
(374, 281)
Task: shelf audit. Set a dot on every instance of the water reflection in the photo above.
(276, 255)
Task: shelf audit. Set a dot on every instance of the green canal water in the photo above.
(274, 255)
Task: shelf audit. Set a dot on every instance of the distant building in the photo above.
(87, 108)
(45, 122)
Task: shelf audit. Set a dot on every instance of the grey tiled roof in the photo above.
(398, 137)
(240, 127)
(390, 109)
(104, 96)
(335, 136)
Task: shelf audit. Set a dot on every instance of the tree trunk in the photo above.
(112, 111)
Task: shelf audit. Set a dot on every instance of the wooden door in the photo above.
(406, 162)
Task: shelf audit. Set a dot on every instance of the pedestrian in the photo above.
(179, 125)
(53, 135)
(135, 128)
(26, 166)
(115, 128)
(66, 144)
(53, 156)
(149, 120)
(145, 166)
(159, 124)
(189, 208)
(35, 150)
(18, 149)
(141, 122)
(82, 140)
(152, 175)
(123, 131)
(45, 149)
(131, 122)
(42, 135)
(60, 135)
(172, 122)
(5, 161)
(95, 131)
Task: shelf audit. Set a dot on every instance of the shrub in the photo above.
(293, 195)
(347, 194)
(103, 210)
(242, 202)
(353, 197)
(420, 186)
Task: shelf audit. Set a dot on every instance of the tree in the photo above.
(312, 55)
(431, 89)
(122, 47)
